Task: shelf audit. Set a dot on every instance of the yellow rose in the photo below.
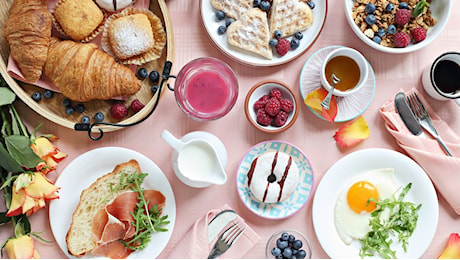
(21, 248)
(48, 152)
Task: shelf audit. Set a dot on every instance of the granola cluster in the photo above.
(385, 17)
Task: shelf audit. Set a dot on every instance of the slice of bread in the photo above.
(79, 237)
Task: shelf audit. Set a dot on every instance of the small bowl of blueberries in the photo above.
(288, 244)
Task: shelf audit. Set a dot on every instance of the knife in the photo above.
(218, 223)
(406, 114)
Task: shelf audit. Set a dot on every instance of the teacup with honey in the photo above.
(349, 66)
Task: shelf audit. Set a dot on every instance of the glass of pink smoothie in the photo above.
(206, 89)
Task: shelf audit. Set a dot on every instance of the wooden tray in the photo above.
(54, 110)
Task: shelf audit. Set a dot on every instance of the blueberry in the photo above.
(37, 96)
(66, 102)
(276, 251)
(281, 244)
(229, 21)
(256, 3)
(142, 73)
(295, 43)
(265, 6)
(295, 252)
(85, 119)
(284, 236)
(280, 256)
(403, 5)
(377, 39)
(154, 76)
(381, 32)
(99, 117)
(287, 252)
(391, 29)
(291, 238)
(301, 254)
(278, 34)
(297, 244)
(48, 94)
(370, 19)
(273, 42)
(69, 110)
(311, 4)
(80, 108)
(389, 7)
(298, 35)
(370, 8)
(221, 30)
(154, 89)
(220, 15)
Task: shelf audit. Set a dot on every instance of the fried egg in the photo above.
(353, 208)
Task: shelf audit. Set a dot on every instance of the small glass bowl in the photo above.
(271, 243)
(206, 89)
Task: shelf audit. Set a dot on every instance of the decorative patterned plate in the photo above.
(348, 107)
(298, 198)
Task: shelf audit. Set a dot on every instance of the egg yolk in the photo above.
(359, 194)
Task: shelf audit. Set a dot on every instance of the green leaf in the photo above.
(3, 218)
(14, 124)
(418, 10)
(19, 148)
(6, 96)
(7, 162)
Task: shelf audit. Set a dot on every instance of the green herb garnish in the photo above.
(420, 7)
(393, 217)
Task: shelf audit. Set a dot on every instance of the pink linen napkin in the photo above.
(195, 242)
(443, 170)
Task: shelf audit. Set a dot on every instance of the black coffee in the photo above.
(447, 76)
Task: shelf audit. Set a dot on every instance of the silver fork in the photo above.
(424, 119)
(226, 240)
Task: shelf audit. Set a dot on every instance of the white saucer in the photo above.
(348, 107)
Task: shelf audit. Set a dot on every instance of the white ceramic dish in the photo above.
(406, 170)
(298, 198)
(440, 10)
(310, 35)
(84, 170)
(348, 107)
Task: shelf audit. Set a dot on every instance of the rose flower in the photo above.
(22, 247)
(48, 152)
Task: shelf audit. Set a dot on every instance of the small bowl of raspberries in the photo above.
(271, 106)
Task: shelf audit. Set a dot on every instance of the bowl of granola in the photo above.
(397, 26)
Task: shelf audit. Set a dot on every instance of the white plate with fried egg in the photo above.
(386, 170)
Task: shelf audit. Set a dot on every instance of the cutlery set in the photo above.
(227, 237)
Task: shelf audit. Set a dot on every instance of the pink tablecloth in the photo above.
(313, 135)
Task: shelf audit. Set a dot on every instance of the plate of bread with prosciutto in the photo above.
(115, 203)
(85, 61)
(263, 32)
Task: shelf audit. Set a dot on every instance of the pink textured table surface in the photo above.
(313, 135)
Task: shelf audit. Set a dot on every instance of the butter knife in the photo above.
(406, 114)
(218, 223)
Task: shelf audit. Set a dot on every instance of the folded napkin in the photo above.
(195, 242)
(443, 170)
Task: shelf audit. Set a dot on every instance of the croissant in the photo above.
(82, 72)
(28, 32)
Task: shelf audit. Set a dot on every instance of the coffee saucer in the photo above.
(348, 107)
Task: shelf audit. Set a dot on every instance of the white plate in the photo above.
(309, 36)
(406, 170)
(298, 198)
(84, 170)
(348, 107)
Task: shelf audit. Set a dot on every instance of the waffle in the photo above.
(232, 8)
(251, 33)
(290, 16)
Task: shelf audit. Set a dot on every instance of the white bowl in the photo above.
(440, 10)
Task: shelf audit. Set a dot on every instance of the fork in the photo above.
(424, 119)
(226, 240)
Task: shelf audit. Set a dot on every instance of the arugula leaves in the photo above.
(393, 217)
(420, 7)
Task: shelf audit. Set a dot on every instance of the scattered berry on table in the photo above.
(136, 105)
(391, 29)
(69, 110)
(377, 39)
(221, 29)
(280, 120)
(283, 47)
(48, 94)
(278, 34)
(370, 8)
(99, 117)
(262, 118)
(265, 6)
(220, 15)
(154, 76)
(402, 17)
(295, 43)
(260, 103)
(370, 19)
(256, 3)
(311, 4)
(37, 96)
(142, 73)
(229, 21)
(286, 105)
(389, 7)
(118, 111)
(403, 5)
(298, 35)
(273, 42)
(401, 39)
(276, 93)
(66, 102)
(85, 119)
(419, 34)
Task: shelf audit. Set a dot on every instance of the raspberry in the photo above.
(283, 47)
(261, 102)
(281, 118)
(401, 39)
(402, 17)
(136, 105)
(286, 105)
(273, 106)
(419, 34)
(262, 118)
(118, 111)
(276, 93)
